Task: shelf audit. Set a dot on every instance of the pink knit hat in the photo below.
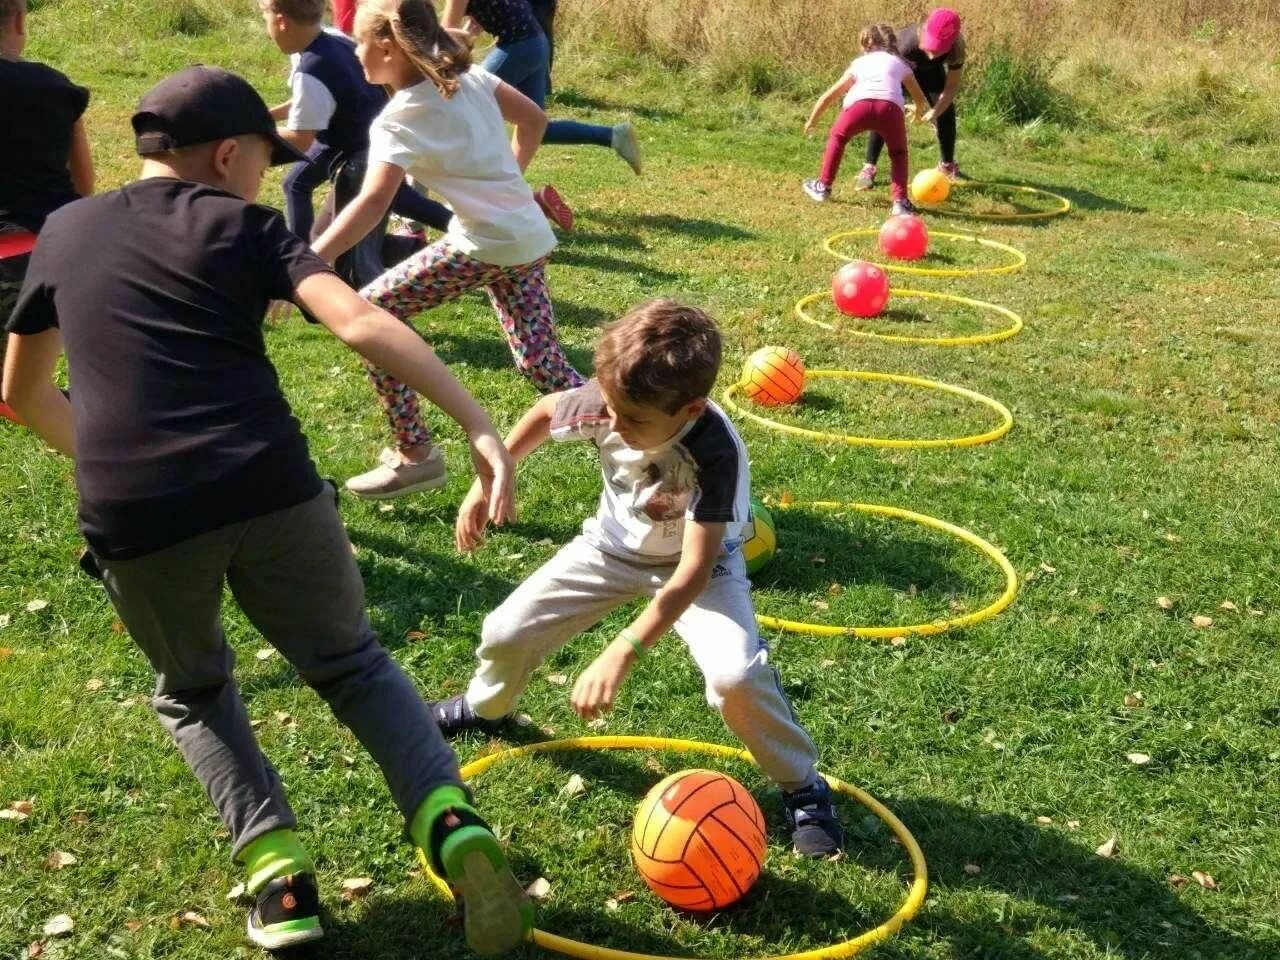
(941, 28)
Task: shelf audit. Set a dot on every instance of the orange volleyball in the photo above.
(772, 376)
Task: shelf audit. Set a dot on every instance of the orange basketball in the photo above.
(698, 840)
(773, 375)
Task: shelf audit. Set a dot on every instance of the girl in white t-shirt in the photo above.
(872, 92)
(444, 124)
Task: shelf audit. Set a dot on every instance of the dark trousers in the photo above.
(946, 124)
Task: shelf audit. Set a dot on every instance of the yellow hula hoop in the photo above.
(586, 951)
(1063, 208)
(1015, 325)
(918, 629)
(1017, 263)
(972, 440)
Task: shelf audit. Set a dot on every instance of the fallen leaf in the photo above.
(625, 896)
(1073, 824)
(128, 702)
(817, 559)
(190, 918)
(35, 606)
(544, 542)
(540, 889)
(822, 604)
(523, 720)
(284, 719)
(5, 619)
(611, 905)
(60, 859)
(59, 926)
(353, 888)
(786, 499)
(80, 819)
(6, 653)
(23, 806)
(835, 590)
(11, 814)
(952, 715)
(898, 642)
(576, 786)
(236, 892)
(1044, 821)
(599, 723)
(1178, 881)
(133, 926)
(386, 508)
(1138, 759)
(1134, 699)
(255, 724)
(1201, 622)
(266, 653)
(416, 635)
(117, 626)
(1164, 603)
(1228, 605)
(652, 765)
(972, 869)
(827, 664)
(1045, 568)
(1108, 849)
(559, 679)
(93, 685)
(912, 590)
(1204, 880)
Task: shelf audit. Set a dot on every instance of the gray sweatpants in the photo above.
(293, 574)
(577, 587)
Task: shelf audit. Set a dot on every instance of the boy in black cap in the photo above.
(192, 471)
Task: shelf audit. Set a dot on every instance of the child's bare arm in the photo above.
(454, 11)
(362, 214)
(531, 432)
(302, 139)
(281, 110)
(529, 120)
(598, 686)
(835, 92)
(29, 365)
(80, 160)
(917, 96)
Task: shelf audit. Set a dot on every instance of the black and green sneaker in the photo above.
(287, 913)
(497, 914)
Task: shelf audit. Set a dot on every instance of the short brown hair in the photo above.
(300, 11)
(662, 354)
(11, 8)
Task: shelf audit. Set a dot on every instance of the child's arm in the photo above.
(396, 347)
(80, 160)
(302, 139)
(281, 110)
(29, 365)
(596, 688)
(454, 11)
(917, 96)
(835, 92)
(362, 214)
(528, 435)
(529, 120)
(948, 95)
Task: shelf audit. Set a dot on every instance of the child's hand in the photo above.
(595, 690)
(473, 517)
(930, 115)
(808, 127)
(496, 472)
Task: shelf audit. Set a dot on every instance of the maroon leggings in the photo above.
(885, 118)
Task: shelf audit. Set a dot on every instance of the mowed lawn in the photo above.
(1137, 492)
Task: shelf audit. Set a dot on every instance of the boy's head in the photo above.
(656, 367)
(13, 27)
(208, 125)
(293, 24)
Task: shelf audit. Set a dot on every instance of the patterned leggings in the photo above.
(519, 295)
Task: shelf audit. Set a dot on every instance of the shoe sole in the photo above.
(434, 484)
(556, 210)
(284, 939)
(863, 187)
(497, 913)
(629, 150)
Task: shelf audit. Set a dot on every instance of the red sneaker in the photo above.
(6, 411)
(554, 207)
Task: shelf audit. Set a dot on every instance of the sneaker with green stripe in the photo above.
(286, 914)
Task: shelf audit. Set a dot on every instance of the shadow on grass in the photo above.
(569, 99)
(492, 353)
(602, 261)
(1080, 200)
(688, 226)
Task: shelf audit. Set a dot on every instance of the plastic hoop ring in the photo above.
(1017, 263)
(918, 629)
(1063, 208)
(1013, 329)
(897, 443)
(586, 951)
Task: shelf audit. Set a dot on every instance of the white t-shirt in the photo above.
(699, 474)
(311, 106)
(877, 76)
(459, 148)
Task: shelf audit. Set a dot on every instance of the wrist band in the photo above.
(630, 637)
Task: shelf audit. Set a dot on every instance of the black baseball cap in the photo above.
(203, 104)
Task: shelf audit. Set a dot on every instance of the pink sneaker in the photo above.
(553, 205)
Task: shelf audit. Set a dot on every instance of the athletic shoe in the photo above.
(867, 178)
(901, 207)
(953, 172)
(553, 205)
(287, 913)
(815, 830)
(817, 190)
(6, 411)
(455, 715)
(626, 145)
(497, 914)
(395, 477)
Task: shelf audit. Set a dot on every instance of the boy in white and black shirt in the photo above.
(669, 526)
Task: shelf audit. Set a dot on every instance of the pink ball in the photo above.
(860, 289)
(904, 237)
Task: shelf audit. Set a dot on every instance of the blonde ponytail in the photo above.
(412, 25)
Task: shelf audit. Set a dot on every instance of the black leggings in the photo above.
(946, 124)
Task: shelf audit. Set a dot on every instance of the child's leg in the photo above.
(720, 631)
(568, 594)
(523, 304)
(300, 185)
(946, 125)
(853, 120)
(362, 264)
(891, 124)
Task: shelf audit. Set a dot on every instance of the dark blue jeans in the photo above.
(526, 65)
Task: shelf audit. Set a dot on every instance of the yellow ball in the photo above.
(930, 187)
(759, 538)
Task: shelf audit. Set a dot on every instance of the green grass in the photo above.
(1142, 465)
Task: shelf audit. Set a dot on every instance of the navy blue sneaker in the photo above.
(815, 831)
(456, 716)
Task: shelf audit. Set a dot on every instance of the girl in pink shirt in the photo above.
(872, 92)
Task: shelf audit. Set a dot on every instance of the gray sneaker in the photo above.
(818, 191)
(901, 207)
(626, 145)
(866, 179)
(395, 478)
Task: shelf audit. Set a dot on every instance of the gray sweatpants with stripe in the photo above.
(293, 575)
(577, 587)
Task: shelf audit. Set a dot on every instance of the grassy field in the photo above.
(1142, 466)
